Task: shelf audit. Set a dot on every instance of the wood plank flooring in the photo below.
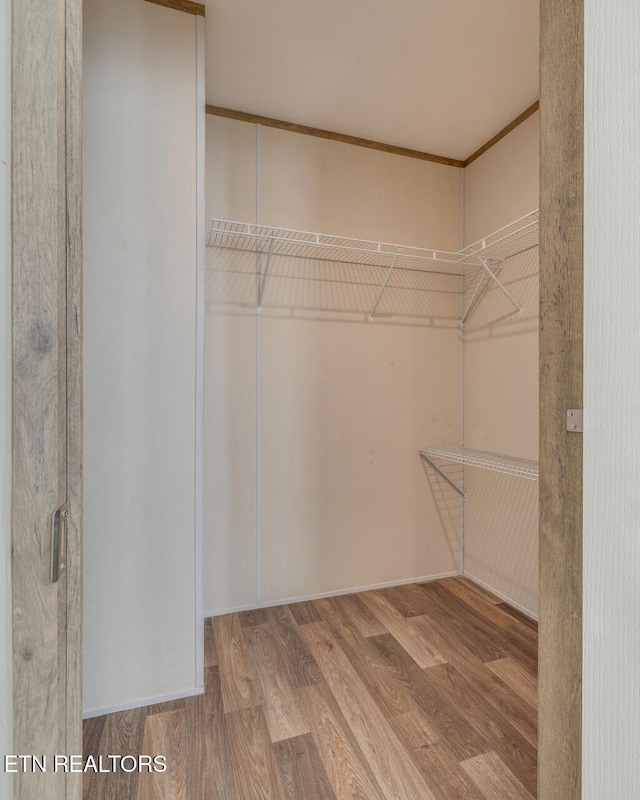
(418, 692)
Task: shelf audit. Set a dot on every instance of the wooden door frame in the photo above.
(46, 234)
(73, 161)
(560, 379)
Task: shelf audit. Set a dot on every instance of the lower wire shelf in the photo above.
(495, 462)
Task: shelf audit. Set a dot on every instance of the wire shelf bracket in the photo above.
(511, 240)
(424, 455)
(384, 285)
(488, 271)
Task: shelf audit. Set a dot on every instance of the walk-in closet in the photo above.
(311, 398)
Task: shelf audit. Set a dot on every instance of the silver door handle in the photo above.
(58, 542)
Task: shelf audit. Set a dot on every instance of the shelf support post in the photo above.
(442, 473)
(265, 277)
(499, 284)
(384, 285)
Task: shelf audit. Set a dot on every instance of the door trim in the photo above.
(561, 380)
(73, 164)
(46, 197)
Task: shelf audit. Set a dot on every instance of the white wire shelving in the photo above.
(495, 462)
(269, 243)
(511, 240)
(518, 236)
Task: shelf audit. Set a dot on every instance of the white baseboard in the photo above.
(353, 590)
(232, 610)
(527, 612)
(145, 701)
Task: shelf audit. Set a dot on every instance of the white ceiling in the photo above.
(442, 76)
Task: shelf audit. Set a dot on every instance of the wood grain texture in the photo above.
(495, 781)
(347, 769)
(74, 380)
(210, 652)
(468, 592)
(46, 675)
(194, 744)
(420, 649)
(505, 700)
(479, 634)
(387, 692)
(463, 586)
(255, 616)
(292, 127)
(371, 725)
(205, 714)
(168, 705)
(92, 734)
(444, 717)
(518, 753)
(255, 771)
(47, 385)
(521, 639)
(523, 618)
(389, 762)
(189, 7)
(301, 770)
(122, 733)
(435, 762)
(165, 734)
(501, 134)
(360, 615)
(455, 649)
(409, 601)
(282, 713)
(518, 678)
(437, 765)
(561, 387)
(236, 675)
(304, 612)
(296, 657)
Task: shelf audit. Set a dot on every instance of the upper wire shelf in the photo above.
(262, 239)
(269, 242)
(515, 238)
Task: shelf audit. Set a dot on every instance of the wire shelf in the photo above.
(268, 244)
(515, 238)
(496, 462)
(263, 239)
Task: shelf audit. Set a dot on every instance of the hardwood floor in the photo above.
(418, 692)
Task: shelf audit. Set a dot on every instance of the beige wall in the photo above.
(503, 184)
(321, 490)
(500, 375)
(331, 187)
(345, 405)
(230, 377)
